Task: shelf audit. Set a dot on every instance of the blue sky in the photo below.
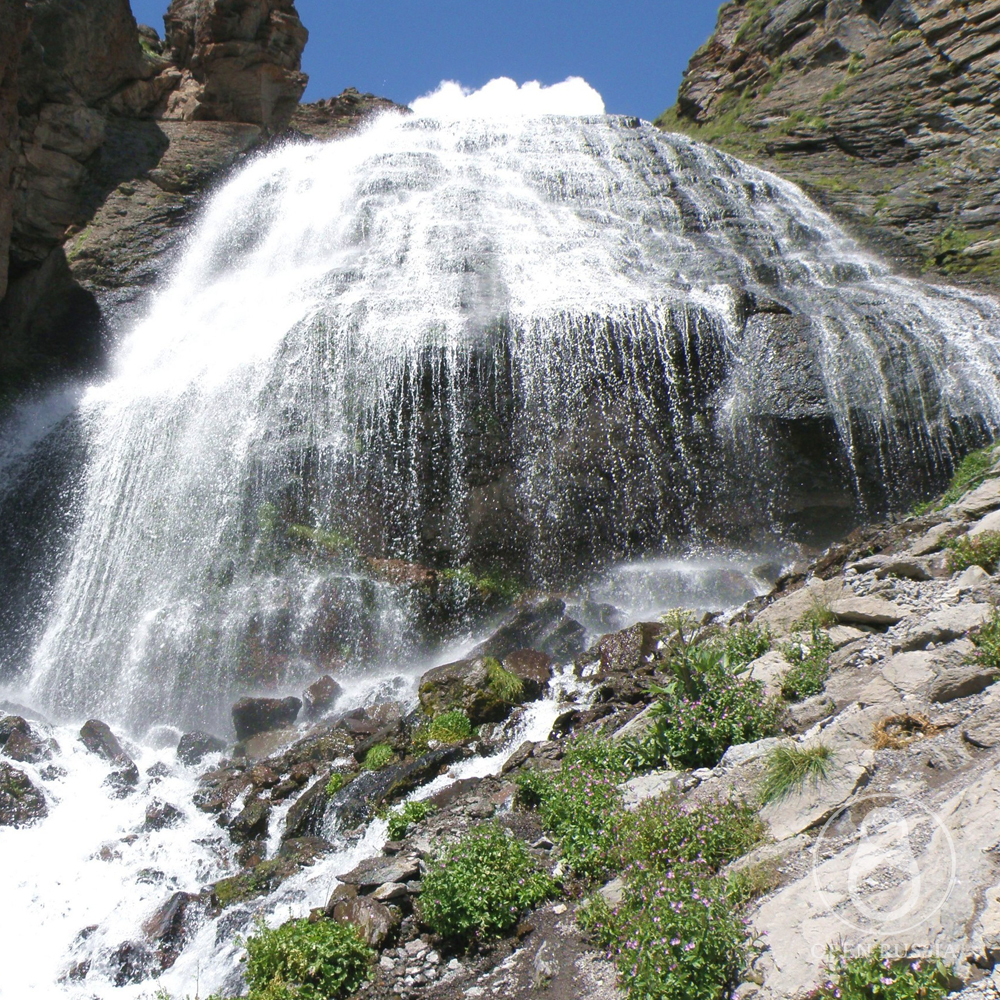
(632, 51)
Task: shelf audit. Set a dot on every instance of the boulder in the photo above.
(373, 872)
(769, 669)
(628, 650)
(251, 822)
(944, 625)
(29, 748)
(11, 724)
(260, 715)
(320, 696)
(541, 625)
(464, 684)
(373, 921)
(265, 877)
(165, 930)
(160, 815)
(21, 803)
(986, 525)
(867, 611)
(812, 803)
(909, 568)
(123, 777)
(784, 615)
(534, 669)
(97, 737)
(980, 501)
(651, 786)
(193, 748)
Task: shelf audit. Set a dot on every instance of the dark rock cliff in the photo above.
(110, 137)
(884, 110)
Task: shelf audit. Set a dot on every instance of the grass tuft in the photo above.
(378, 756)
(505, 685)
(789, 767)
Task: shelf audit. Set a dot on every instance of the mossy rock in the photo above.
(481, 688)
(21, 803)
(268, 875)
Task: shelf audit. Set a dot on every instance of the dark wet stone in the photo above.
(29, 748)
(321, 696)
(160, 815)
(98, 739)
(194, 747)
(260, 715)
(166, 929)
(21, 803)
(251, 822)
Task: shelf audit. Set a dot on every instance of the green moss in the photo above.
(336, 782)
(757, 11)
(448, 727)
(333, 542)
(378, 757)
(491, 583)
(856, 63)
(969, 473)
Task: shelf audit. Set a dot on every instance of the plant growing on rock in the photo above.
(448, 727)
(970, 472)
(378, 757)
(861, 977)
(481, 886)
(810, 660)
(790, 767)
(986, 639)
(306, 961)
(507, 686)
(744, 643)
(979, 550)
(412, 812)
(706, 705)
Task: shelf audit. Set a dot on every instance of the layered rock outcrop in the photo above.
(110, 136)
(884, 110)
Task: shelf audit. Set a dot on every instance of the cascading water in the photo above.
(534, 342)
(537, 343)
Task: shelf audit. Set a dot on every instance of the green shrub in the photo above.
(411, 812)
(449, 727)
(810, 665)
(979, 550)
(507, 686)
(481, 886)
(864, 977)
(706, 706)
(744, 643)
(986, 639)
(378, 756)
(790, 766)
(674, 936)
(306, 961)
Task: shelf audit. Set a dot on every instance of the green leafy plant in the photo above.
(448, 727)
(706, 706)
(979, 550)
(488, 584)
(507, 686)
(333, 542)
(744, 643)
(481, 886)
(306, 961)
(378, 756)
(819, 615)
(810, 665)
(871, 975)
(790, 766)
(986, 639)
(412, 812)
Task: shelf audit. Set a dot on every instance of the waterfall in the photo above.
(539, 344)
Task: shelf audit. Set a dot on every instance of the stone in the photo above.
(374, 921)
(251, 822)
(320, 696)
(193, 748)
(770, 669)
(374, 872)
(97, 737)
(390, 891)
(29, 748)
(970, 578)
(982, 730)
(812, 803)
(539, 625)
(783, 615)
(160, 815)
(11, 724)
(637, 727)
(986, 525)
(743, 753)
(867, 611)
(533, 668)
(944, 625)
(259, 715)
(934, 539)
(650, 786)
(123, 776)
(165, 930)
(21, 803)
(613, 892)
(980, 501)
(627, 650)
(907, 568)
(464, 684)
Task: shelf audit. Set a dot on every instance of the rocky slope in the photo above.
(109, 137)
(884, 110)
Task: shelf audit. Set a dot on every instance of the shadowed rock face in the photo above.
(885, 111)
(240, 60)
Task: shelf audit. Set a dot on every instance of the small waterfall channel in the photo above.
(504, 343)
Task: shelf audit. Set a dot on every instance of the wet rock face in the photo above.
(259, 715)
(14, 18)
(21, 803)
(240, 60)
(844, 98)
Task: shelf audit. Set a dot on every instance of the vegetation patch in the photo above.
(506, 686)
(491, 583)
(978, 550)
(743, 644)
(871, 975)
(378, 757)
(336, 782)
(448, 727)
(401, 819)
(306, 961)
(481, 886)
(810, 665)
(986, 639)
(789, 767)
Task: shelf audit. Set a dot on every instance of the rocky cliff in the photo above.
(109, 136)
(884, 110)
